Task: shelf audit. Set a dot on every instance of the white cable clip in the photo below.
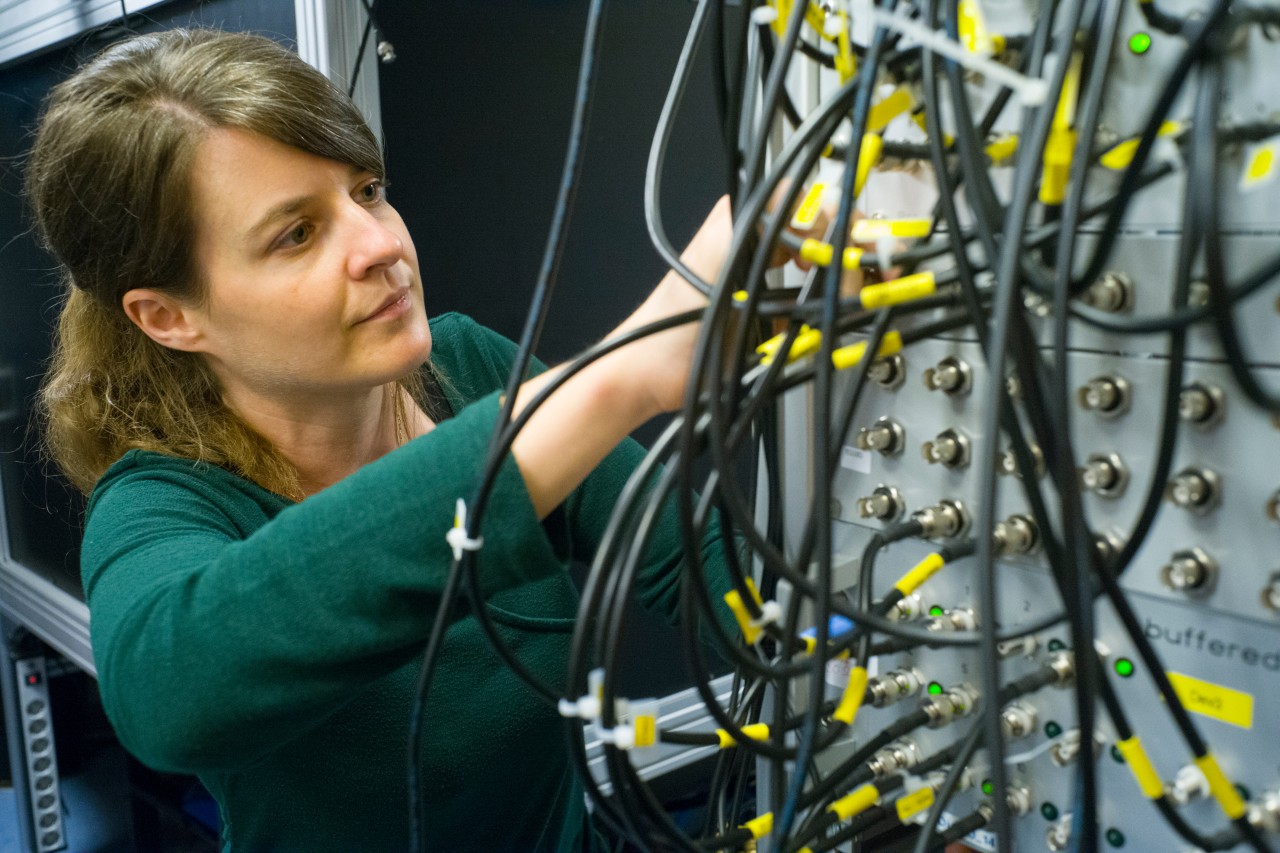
(586, 707)
(622, 736)
(457, 536)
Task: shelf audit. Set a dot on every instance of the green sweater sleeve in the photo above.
(213, 647)
(587, 511)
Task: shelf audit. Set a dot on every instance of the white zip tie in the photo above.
(457, 536)
(1032, 90)
(770, 614)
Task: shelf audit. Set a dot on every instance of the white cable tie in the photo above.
(457, 536)
(764, 15)
(1032, 90)
(770, 614)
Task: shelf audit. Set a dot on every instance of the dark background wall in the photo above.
(42, 513)
(476, 114)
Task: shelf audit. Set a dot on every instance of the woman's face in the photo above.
(312, 282)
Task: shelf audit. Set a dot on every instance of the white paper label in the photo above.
(856, 460)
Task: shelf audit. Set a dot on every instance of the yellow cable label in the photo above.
(646, 730)
(1213, 700)
(1141, 767)
(1119, 156)
(870, 230)
(846, 357)
(1062, 139)
(1002, 147)
(856, 803)
(852, 698)
(914, 803)
(924, 570)
(734, 599)
(817, 252)
(740, 296)
(888, 108)
(898, 290)
(1260, 165)
(755, 731)
(846, 63)
(807, 213)
(1221, 788)
(868, 157)
(973, 30)
(761, 826)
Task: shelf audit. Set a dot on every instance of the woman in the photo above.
(241, 383)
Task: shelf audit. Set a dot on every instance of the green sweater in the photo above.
(271, 647)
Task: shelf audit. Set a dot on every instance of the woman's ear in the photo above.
(164, 319)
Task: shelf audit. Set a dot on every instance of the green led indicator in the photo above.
(1139, 43)
(1052, 729)
(1124, 667)
(1115, 838)
(1244, 792)
(1116, 755)
(935, 689)
(1056, 645)
(1049, 811)
(936, 610)
(987, 787)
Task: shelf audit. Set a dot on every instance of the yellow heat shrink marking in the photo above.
(846, 357)
(1002, 148)
(816, 252)
(924, 570)
(1213, 700)
(1062, 139)
(646, 730)
(856, 803)
(973, 31)
(888, 108)
(869, 230)
(1221, 788)
(820, 253)
(845, 62)
(899, 290)
(852, 698)
(1141, 767)
(734, 599)
(810, 207)
(868, 157)
(914, 803)
(1260, 166)
(755, 731)
(806, 342)
(741, 296)
(779, 23)
(1119, 157)
(761, 826)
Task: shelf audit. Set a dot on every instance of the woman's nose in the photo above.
(373, 245)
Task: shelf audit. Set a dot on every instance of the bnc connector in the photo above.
(1018, 719)
(1063, 664)
(1017, 534)
(884, 503)
(947, 519)
(954, 619)
(894, 686)
(900, 755)
(959, 701)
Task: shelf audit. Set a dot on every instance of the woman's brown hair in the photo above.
(109, 180)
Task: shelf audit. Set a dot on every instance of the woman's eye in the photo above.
(298, 235)
(372, 191)
(295, 236)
